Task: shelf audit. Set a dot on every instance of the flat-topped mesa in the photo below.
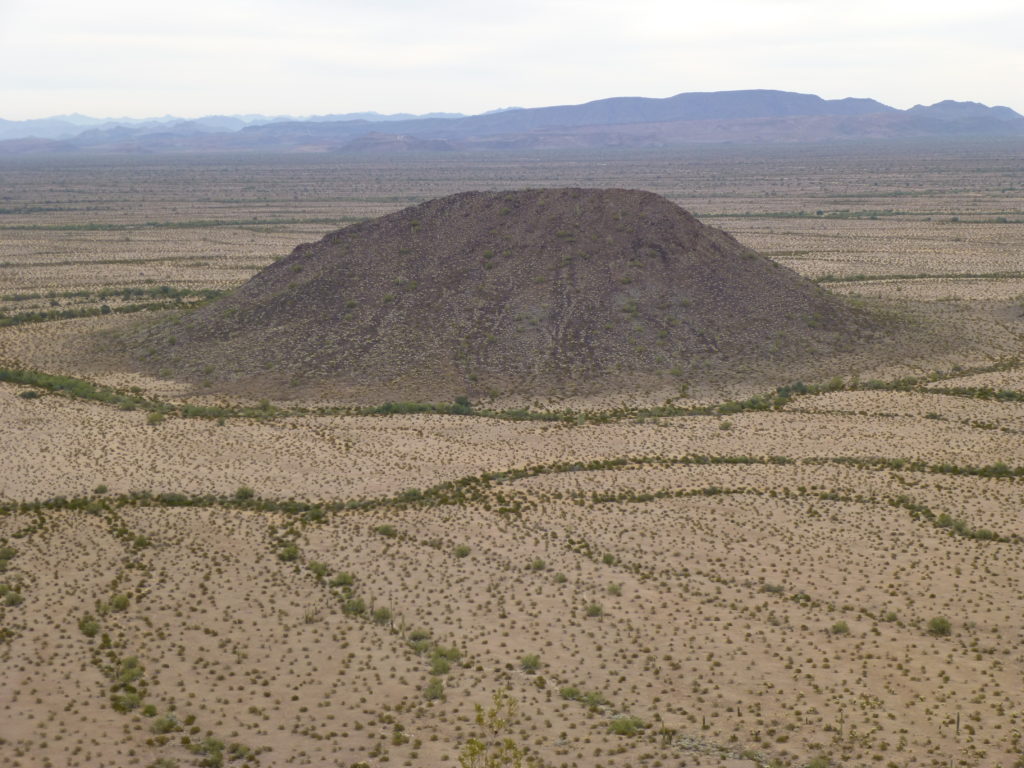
(531, 292)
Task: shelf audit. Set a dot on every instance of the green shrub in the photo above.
(318, 569)
(537, 565)
(165, 724)
(530, 662)
(439, 665)
(627, 725)
(381, 615)
(840, 628)
(419, 640)
(450, 652)
(594, 610)
(434, 689)
(129, 670)
(940, 626)
(244, 493)
(89, 626)
(343, 579)
(288, 553)
(388, 531)
(119, 602)
(354, 607)
(125, 702)
(462, 550)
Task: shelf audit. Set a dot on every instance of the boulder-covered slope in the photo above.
(538, 291)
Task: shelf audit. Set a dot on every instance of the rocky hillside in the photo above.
(531, 292)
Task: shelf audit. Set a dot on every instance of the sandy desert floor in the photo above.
(832, 578)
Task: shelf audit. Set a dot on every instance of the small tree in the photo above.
(499, 750)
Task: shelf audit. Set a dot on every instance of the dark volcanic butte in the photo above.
(539, 292)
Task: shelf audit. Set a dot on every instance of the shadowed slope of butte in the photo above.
(531, 292)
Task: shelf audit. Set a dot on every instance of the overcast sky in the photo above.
(112, 58)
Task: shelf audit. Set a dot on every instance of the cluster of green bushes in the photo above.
(592, 699)
(462, 406)
(126, 294)
(859, 278)
(46, 315)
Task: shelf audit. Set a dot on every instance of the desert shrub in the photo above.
(343, 579)
(434, 689)
(439, 665)
(594, 610)
(354, 607)
(627, 725)
(419, 640)
(537, 564)
(559, 578)
(89, 626)
(165, 724)
(571, 692)
(125, 702)
(129, 670)
(388, 531)
(615, 589)
(119, 602)
(450, 652)
(939, 626)
(530, 662)
(154, 418)
(317, 568)
(840, 628)
(244, 493)
(288, 553)
(462, 550)
(819, 762)
(381, 615)
(12, 599)
(99, 490)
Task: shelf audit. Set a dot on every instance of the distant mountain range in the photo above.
(758, 116)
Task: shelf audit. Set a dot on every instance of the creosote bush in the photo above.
(89, 626)
(434, 689)
(627, 725)
(939, 626)
(530, 662)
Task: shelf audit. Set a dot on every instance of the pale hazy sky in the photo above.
(195, 57)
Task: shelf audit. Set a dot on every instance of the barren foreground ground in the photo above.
(827, 575)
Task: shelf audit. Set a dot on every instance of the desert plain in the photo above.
(761, 567)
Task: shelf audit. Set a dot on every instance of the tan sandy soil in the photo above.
(744, 612)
